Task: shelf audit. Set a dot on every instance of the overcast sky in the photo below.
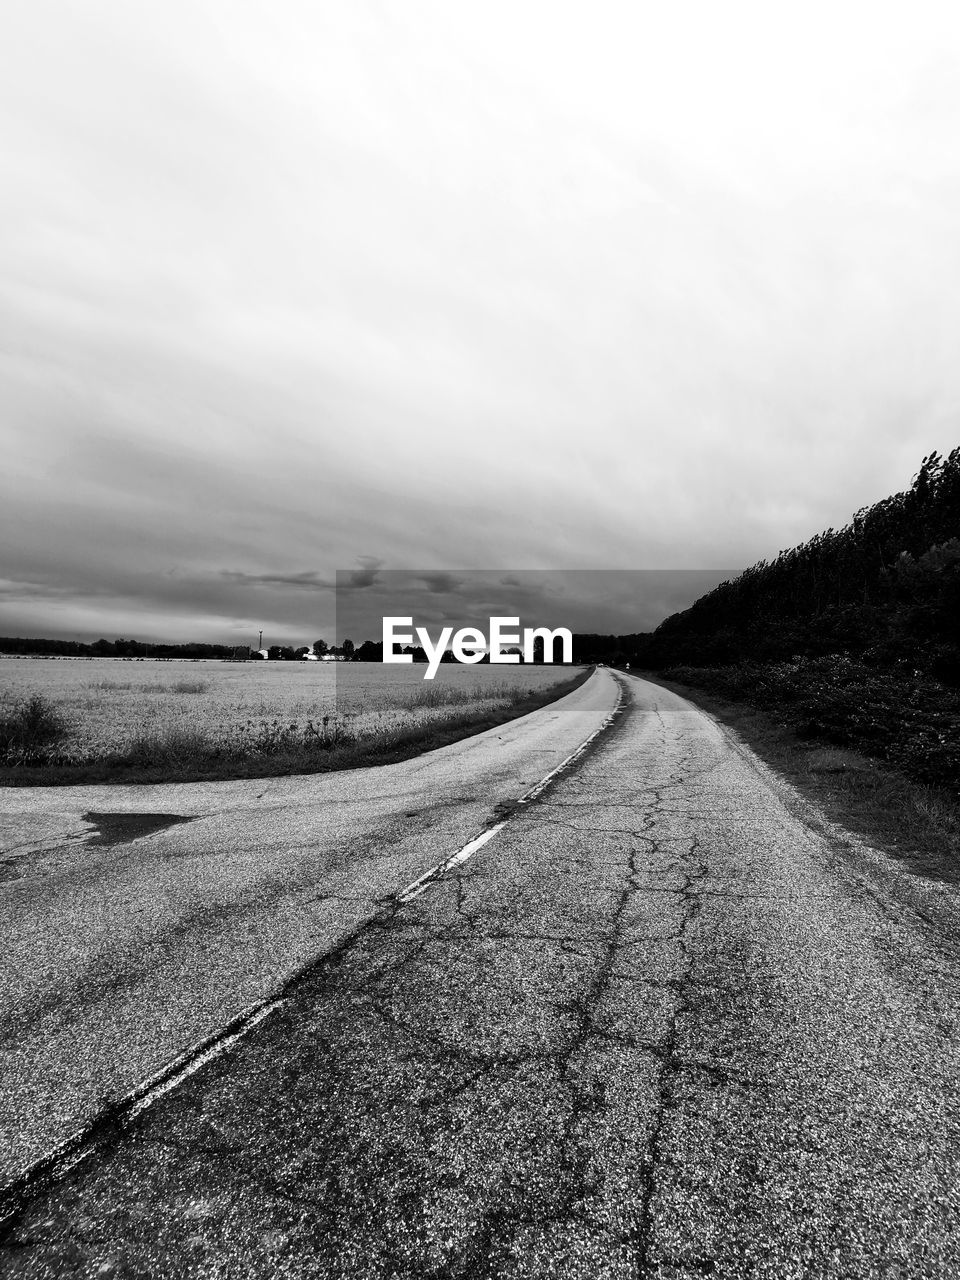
(289, 288)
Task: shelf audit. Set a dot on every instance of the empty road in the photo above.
(138, 920)
(666, 1022)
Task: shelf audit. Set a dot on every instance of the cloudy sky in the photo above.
(287, 288)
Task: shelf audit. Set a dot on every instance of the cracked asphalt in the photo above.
(137, 920)
(666, 1023)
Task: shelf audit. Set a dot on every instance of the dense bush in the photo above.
(31, 731)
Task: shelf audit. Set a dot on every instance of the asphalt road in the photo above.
(666, 1023)
(122, 949)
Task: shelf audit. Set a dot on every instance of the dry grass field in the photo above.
(175, 714)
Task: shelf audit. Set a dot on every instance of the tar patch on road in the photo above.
(121, 828)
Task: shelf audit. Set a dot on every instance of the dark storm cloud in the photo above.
(360, 579)
(440, 583)
(308, 578)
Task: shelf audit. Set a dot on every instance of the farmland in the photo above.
(182, 718)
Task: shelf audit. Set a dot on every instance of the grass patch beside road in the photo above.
(915, 822)
(178, 753)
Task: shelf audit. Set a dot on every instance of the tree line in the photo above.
(368, 651)
(884, 589)
(120, 648)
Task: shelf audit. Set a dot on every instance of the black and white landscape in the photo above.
(479, 641)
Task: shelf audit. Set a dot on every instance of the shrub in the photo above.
(31, 730)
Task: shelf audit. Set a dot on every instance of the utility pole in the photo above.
(260, 645)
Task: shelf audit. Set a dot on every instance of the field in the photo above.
(191, 719)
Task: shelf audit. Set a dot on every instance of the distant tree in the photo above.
(302, 652)
(347, 650)
(370, 651)
(128, 648)
(320, 647)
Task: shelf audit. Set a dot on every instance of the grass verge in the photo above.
(898, 716)
(191, 755)
(915, 823)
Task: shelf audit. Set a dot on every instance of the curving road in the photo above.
(667, 1023)
(121, 949)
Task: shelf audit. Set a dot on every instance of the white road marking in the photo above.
(416, 887)
(57, 1162)
(193, 1059)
